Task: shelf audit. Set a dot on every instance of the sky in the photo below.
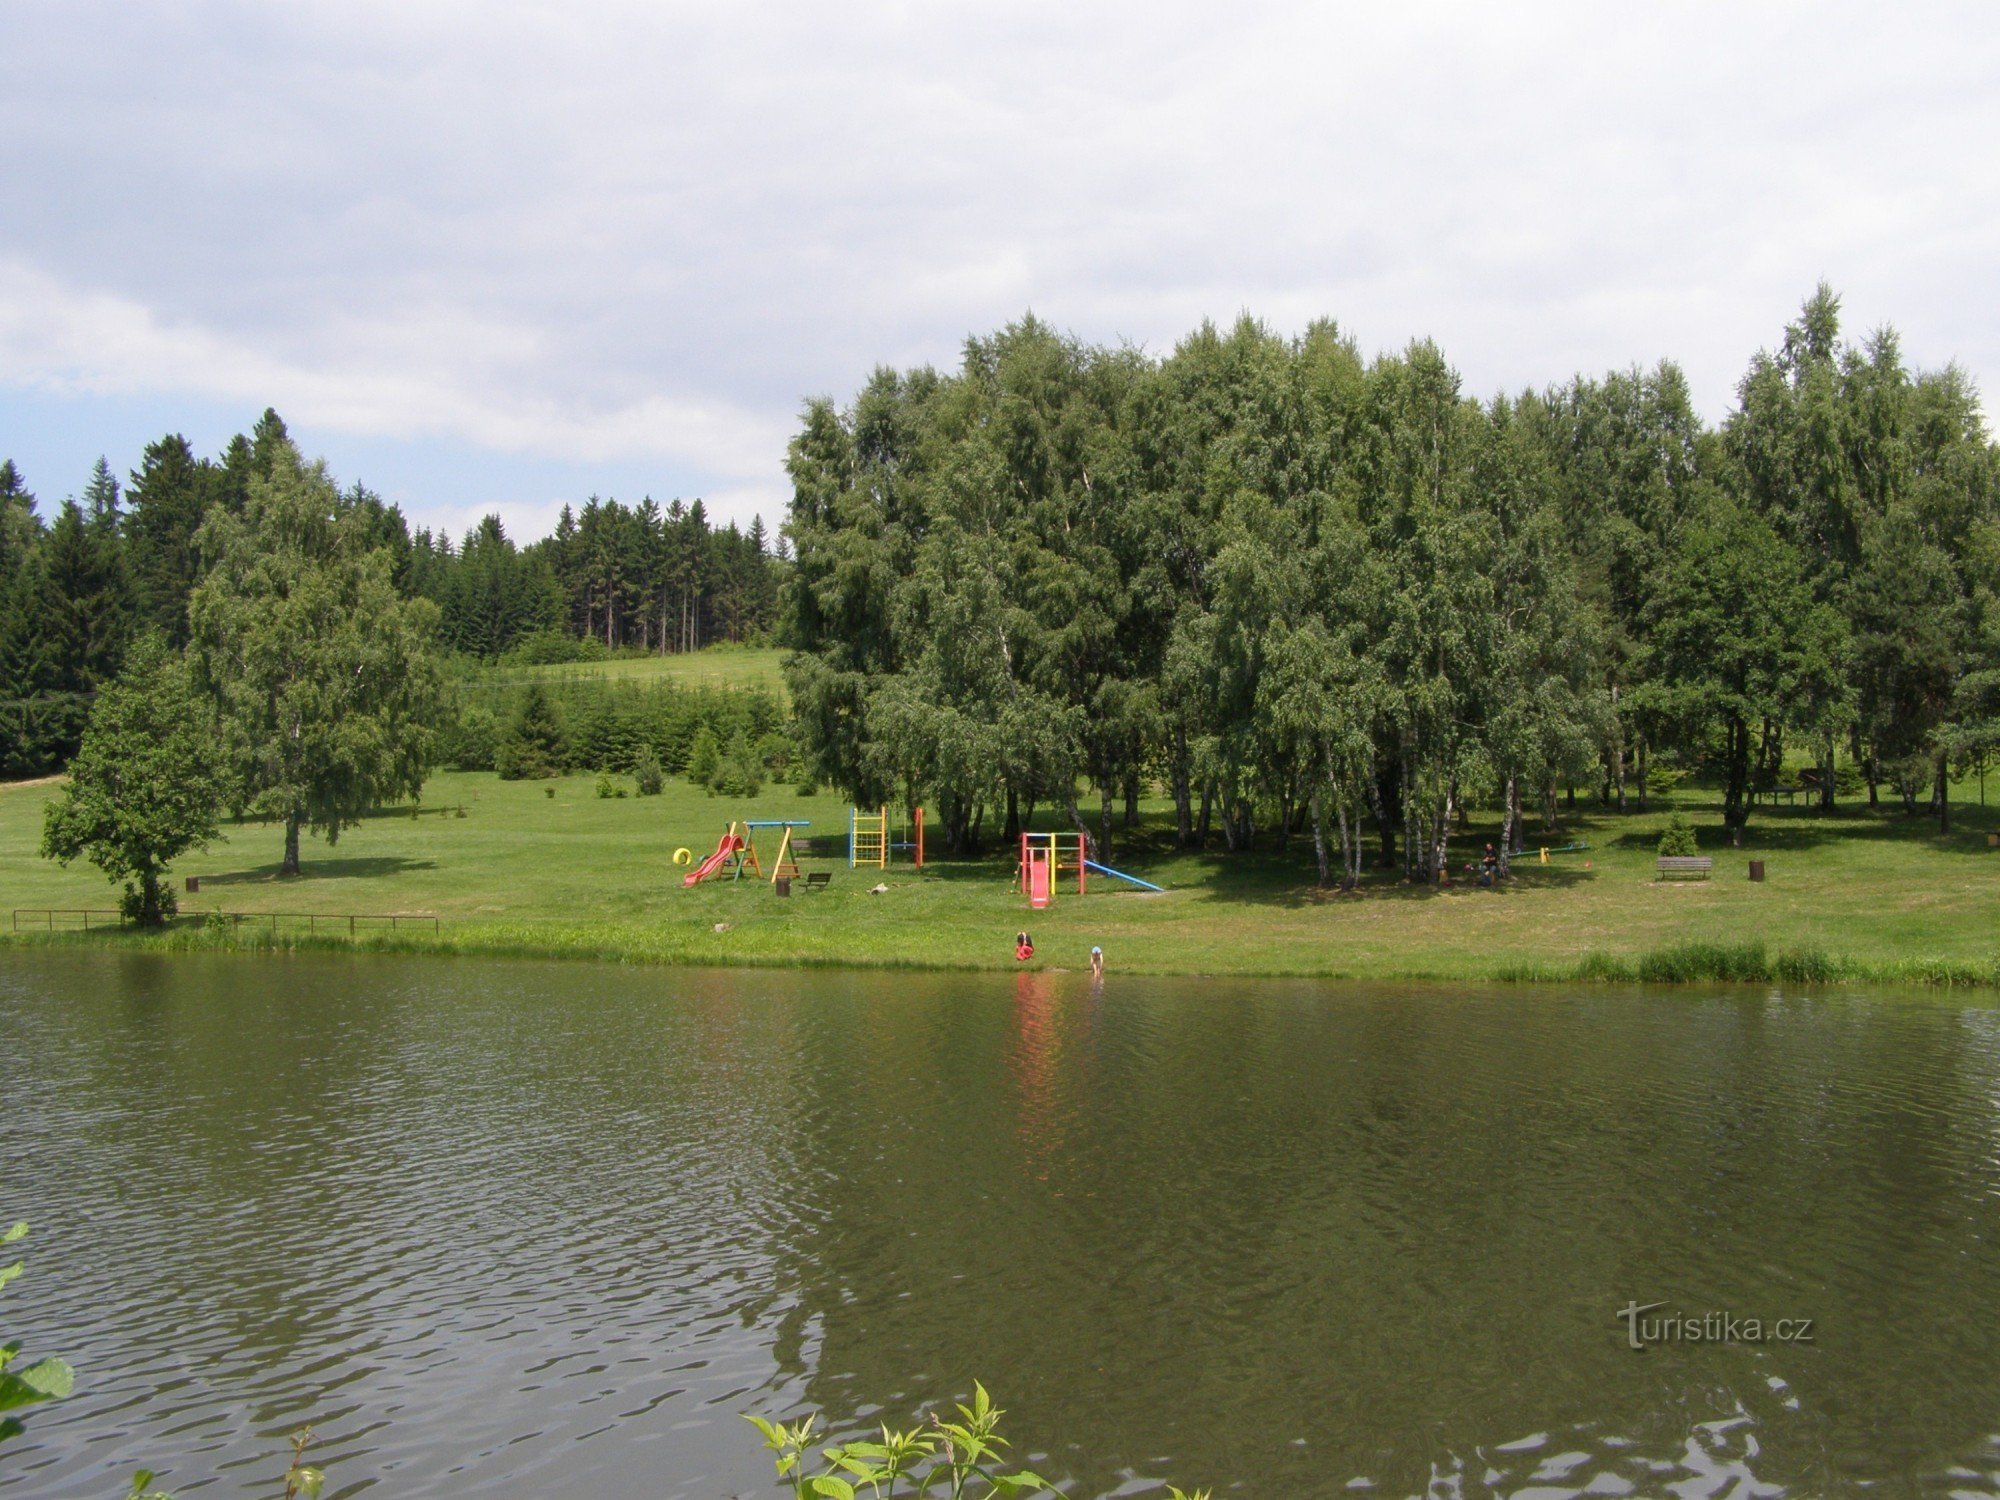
(498, 257)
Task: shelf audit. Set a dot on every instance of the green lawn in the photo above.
(527, 872)
(717, 666)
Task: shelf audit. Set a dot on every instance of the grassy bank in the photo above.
(549, 868)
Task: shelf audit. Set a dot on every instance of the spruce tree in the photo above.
(164, 507)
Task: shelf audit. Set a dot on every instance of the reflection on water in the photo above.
(494, 1228)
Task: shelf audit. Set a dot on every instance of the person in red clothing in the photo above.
(1024, 947)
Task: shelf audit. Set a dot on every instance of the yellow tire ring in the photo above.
(684, 855)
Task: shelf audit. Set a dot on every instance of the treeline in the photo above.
(1309, 593)
(611, 576)
(724, 738)
(120, 562)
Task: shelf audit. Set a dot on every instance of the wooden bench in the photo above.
(817, 880)
(1692, 866)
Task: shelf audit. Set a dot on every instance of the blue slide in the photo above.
(1107, 870)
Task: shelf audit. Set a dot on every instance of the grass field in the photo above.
(550, 868)
(718, 666)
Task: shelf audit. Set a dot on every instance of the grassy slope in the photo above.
(719, 666)
(525, 872)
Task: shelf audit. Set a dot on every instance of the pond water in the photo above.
(503, 1228)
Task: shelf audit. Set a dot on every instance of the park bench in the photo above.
(817, 879)
(1692, 866)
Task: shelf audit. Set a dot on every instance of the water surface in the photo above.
(495, 1229)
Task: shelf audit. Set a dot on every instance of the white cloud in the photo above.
(632, 230)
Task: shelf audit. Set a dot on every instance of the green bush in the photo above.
(1662, 778)
(533, 746)
(608, 785)
(1678, 841)
(549, 647)
(1848, 780)
(469, 742)
(704, 758)
(647, 772)
(739, 773)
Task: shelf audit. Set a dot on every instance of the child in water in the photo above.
(1024, 947)
(1096, 963)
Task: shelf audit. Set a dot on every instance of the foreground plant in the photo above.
(960, 1459)
(46, 1379)
(953, 1454)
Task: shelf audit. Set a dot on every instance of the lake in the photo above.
(505, 1229)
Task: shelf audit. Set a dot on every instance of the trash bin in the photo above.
(782, 885)
(193, 884)
(1757, 869)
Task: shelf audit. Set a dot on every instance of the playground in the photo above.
(549, 868)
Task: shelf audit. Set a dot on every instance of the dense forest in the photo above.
(1306, 593)
(120, 562)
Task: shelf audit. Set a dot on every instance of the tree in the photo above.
(88, 599)
(147, 784)
(19, 526)
(532, 747)
(329, 692)
(164, 506)
(1736, 637)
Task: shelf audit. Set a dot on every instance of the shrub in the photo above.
(532, 747)
(471, 740)
(1662, 778)
(704, 758)
(549, 647)
(608, 786)
(1848, 781)
(775, 754)
(1678, 840)
(647, 772)
(739, 774)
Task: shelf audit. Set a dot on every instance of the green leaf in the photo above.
(14, 1233)
(51, 1377)
(1027, 1481)
(837, 1489)
(310, 1480)
(8, 1273)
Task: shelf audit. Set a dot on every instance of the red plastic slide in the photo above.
(1038, 879)
(730, 844)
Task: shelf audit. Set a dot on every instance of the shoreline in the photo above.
(1692, 963)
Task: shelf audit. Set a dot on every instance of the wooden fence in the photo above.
(81, 919)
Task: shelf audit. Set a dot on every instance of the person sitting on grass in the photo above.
(1024, 947)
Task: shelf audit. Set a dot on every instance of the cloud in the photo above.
(642, 231)
(387, 379)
